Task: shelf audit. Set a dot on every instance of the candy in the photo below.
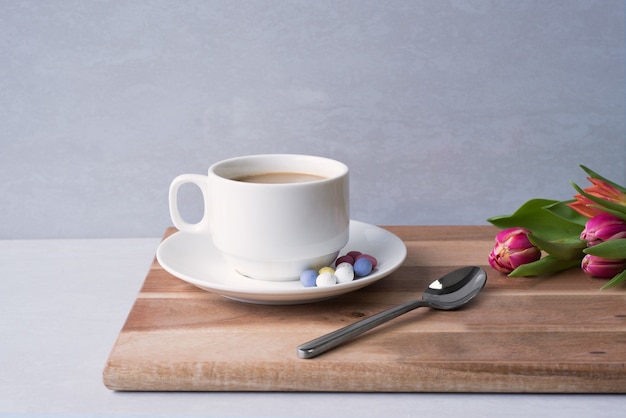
(345, 259)
(326, 269)
(370, 257)
(326, 279)
(362, 266)
(344, 273)
(308, 278)
(347, 267)
(354, 254)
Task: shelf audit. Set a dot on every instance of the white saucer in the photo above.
(194, 259)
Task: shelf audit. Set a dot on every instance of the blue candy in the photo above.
(362, 267)
(308, 277)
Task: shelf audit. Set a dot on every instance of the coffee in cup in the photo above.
(280, 177)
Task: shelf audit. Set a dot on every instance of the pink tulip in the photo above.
(602, 267)
(603, 227)
(513, 249)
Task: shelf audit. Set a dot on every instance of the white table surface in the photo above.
(63, 302)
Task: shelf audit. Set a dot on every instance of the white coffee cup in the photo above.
(271, 231)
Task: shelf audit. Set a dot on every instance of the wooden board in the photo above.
(549, 334)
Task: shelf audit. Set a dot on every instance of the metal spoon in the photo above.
(448, 292)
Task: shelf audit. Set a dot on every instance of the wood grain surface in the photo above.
(557, 334)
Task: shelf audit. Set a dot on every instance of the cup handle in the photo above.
(202, 226)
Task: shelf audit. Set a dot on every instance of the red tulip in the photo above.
(513, 249)
(599, 189)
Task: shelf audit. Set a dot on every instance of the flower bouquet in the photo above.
(547, 236)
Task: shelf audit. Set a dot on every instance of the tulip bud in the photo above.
(513, 249)
(602, 267)
(602, 189)
(603, 227)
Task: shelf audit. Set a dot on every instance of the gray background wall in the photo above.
(446, 111)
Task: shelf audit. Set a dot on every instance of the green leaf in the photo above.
(615, 248)
(602, 202)
(563, 211)
(545, 265)
(543, 223)
(618, 279)
(595, 175)
(564, 249)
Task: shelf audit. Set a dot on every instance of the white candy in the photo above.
(326, 279)
(344, 273)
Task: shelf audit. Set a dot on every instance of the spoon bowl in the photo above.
(450, 291)
(456, 288)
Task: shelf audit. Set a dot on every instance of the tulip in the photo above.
(512, 250)
(603, 227)
(602, 267)
(601, 189)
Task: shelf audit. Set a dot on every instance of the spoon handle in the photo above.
(333, 339)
